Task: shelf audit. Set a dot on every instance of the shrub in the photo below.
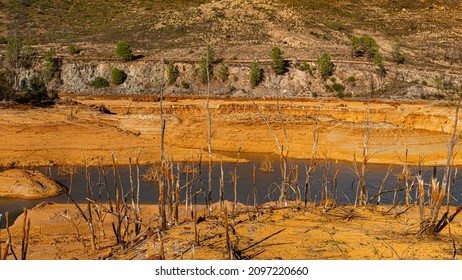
(335, 25)
(307, 67)
(185, 85)
(278, 63)
(328, 88)
(381, 71)
(6, 85)
(231, 89)
(338, 87)
(73, 49)
(438, 81)
(367, 46)
(256, 74)
(364, 46)
(99, 82)
(123, 50)
(325, 65)
(172, 73)
(117, 76)
(36, 91)
(223, 72)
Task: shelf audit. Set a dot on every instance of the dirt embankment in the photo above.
(66, 135)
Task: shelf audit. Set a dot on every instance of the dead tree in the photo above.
(283, 154)
(432, 225)
(209, 132)
(313, 160)
(235, 181)
(361, 191)
(162, 215)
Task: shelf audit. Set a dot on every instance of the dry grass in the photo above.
(426, 29)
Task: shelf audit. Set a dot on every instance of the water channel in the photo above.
(267, 183)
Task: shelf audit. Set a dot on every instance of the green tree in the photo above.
(117, 76)
(124, 51)
(51, 64)
(256, 74)
(172, 73)
(223, 72)
(210, 54)
(13, 52)
(278, 63)
(396, 54)
(325, 65)
(207, 64)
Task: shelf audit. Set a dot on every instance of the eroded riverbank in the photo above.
(73, 134)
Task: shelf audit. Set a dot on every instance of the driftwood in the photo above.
(264, 239)
(444, 221)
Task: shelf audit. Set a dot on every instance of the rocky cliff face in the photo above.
(349, 79)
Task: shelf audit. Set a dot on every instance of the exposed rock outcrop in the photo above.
(350, 79)
(28, 184)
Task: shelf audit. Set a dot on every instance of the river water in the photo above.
(267, 183)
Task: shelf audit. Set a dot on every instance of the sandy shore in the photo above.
(70, 135)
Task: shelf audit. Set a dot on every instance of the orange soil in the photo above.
(45, 136)
(50, 136)
(376, 232)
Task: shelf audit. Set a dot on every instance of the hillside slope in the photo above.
(429, 31)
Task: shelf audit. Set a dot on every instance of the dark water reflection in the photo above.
(266, 184)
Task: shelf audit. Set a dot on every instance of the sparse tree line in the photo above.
(37, 87)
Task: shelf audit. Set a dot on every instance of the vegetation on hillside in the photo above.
(124, 51)
(153, 25)
(206, 65)
(99, 82)
(117, 76)
(325, 65)
(256, 74)
(278, 63)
